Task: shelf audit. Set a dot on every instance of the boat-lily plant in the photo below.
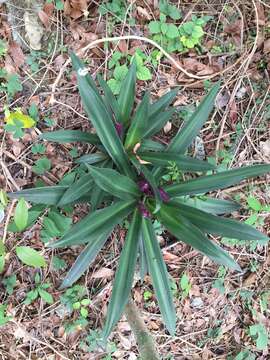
(124, 180)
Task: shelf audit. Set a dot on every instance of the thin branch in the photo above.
(144, 340)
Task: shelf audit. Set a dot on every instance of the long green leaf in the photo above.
(138, 124)
(190, 130)
(124, 275)
(93, 224)
(183, 162)
(150, 145)
(159, 275)
(212, 224)
(162, 103)
(92, 158)
(76, 190)
(110, 99)
(114, 183)
(127, 94)
(48, 195)
(156, 123)
(210, 205)
(221, 180)
(142, 258)
(185, 231)
(68, 136)
(102, 120)
(84, 260)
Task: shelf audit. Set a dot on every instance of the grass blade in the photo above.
(221, 180)
(212, 224)
(84, 260)
(68, 136)
(110, 99)
(209, 205)
(75, 191)
(185, 231)
(114, 183)
(162, 103)
(124, 275)
(159, 275)
(47, 195)
(190, 130)
(101, 119)
(127, 94)
(156, 123)
(96, 222)
(92, 158)
(184, 163)
(138, 124)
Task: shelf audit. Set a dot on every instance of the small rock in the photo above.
(197, 302)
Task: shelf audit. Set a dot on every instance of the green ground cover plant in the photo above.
(123, 181)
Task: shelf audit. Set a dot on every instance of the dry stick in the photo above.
(134, 37)
(144, 340)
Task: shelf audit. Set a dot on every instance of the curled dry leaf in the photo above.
(76, 8)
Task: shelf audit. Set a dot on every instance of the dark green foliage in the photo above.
(126, 178)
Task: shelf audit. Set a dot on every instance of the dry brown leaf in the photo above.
(44, 18)
(143, 13)
(125, 342)
(122, 46)
(16, 53)
(261, 13)
(103, 273)
(48, 8)
(266, 46)
(76, 8)
(199, 68)
(265, 148)
(233, 114)
(167, 128)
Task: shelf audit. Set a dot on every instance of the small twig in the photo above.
(34, 339)
(144, 340)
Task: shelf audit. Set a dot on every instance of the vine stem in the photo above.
(144, 339)
(140, 38)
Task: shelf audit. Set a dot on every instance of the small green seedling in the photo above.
(185, 285)
(10, 283)
(4, 318)
(260, 334)
(41, 166)
(40, 291)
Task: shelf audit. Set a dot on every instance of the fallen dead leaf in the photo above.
(266, 46)
(103, 273)
(125, 342)
(16, 54)
(143, 13)
(265, 148)
(233, 114)
(44, 18)
(167, 128)
(122, 46)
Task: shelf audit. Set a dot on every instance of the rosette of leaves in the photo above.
(124, 182)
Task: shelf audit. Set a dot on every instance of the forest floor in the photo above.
(221, 314)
